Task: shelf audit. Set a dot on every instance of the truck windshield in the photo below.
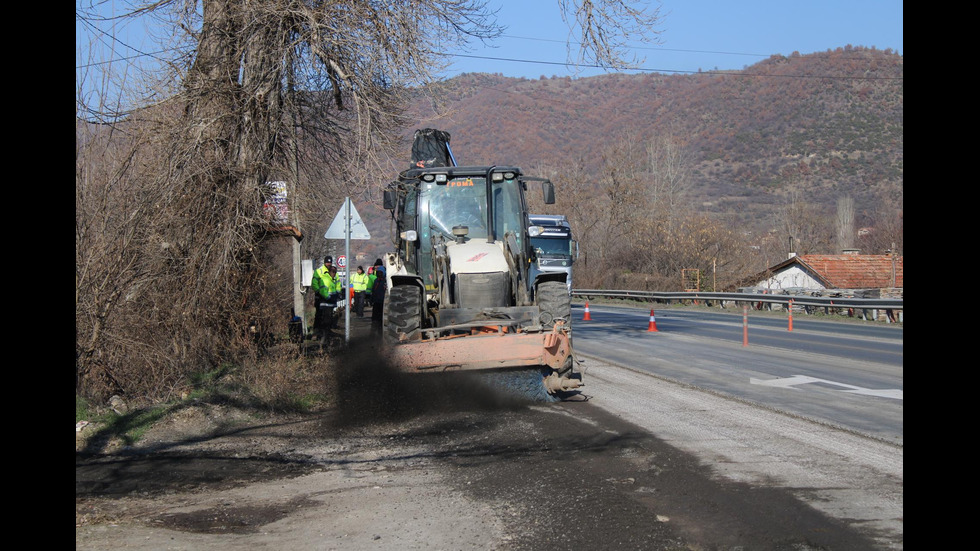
(463, 202)
(560, 246)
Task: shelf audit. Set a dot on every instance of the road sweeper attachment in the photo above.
(460, 292)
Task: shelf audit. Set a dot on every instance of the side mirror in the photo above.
(390, 200)
(549, 192)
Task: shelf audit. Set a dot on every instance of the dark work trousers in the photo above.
(377, 315)
(359, 303)
(324, 319)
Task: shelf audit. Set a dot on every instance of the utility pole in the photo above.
(894, 280)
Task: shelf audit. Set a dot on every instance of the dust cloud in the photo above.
(370, 389)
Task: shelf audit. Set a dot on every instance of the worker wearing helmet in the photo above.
(326, 288)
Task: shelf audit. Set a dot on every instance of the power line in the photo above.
(101, 34)
(651, 48)
(732, 72)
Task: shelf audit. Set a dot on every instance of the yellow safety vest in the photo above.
(323, 284)
(360, 282)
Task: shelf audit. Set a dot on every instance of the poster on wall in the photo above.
(275, 207)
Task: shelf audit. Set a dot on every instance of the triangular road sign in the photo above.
(338, 228)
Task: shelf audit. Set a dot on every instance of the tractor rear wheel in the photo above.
(555, 303)
(402, 313)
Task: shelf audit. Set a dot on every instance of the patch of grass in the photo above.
(132, 426)
(83, 410)
(210, 379)
(285, 384)
(110, 426)
(87, 411)
(304, 403)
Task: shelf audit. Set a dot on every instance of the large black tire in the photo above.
(402, 313)
(555, 303)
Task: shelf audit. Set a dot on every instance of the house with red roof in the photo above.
(824, 272)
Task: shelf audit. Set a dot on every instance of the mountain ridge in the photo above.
(826, 125)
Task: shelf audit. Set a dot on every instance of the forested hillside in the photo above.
(798, 130)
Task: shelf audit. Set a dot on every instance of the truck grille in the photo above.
(483, 290)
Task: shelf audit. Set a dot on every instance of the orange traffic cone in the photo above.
(587, 316)
(653, 322)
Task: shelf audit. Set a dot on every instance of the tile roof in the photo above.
(851, 271)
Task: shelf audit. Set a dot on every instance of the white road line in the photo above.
(792, 382)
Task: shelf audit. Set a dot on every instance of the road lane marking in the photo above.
(792, 382)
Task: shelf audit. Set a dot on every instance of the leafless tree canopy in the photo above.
(637, 226)
(607, 27)
(845, 223)
(806, 228)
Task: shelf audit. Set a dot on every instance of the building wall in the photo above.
(792, 277)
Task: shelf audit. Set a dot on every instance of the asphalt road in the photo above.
(842, 374)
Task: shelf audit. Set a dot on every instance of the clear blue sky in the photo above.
(696, 34)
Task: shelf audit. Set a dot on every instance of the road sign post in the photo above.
(347, 225)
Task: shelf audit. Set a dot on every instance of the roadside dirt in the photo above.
(361, 475)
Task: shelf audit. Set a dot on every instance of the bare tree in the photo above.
(845, 223)
(885, 231)
(806, 230)
(621, 208)
(605, 28)
(635, 226)
(109, 219)
(669, 179)
(579, 199)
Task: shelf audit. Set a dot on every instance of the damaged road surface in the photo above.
(399, 466)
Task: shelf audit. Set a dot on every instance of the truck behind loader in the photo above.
(461, 293)
(554, 248)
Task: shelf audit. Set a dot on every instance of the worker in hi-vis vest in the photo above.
(360, 282)
(326, 291)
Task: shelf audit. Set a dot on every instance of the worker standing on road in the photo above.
(330, 321)
(325, 286)
(360, 282)
(370, 285)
